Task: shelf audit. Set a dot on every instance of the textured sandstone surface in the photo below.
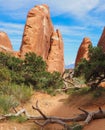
(5, 43)
(37, 32)
(101, 42)
(83, 50)
(39, 37)
(56, 55)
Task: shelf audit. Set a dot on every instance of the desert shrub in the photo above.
(22, 93)
(99, 92)
(93, 69)
(75, 126)
(30, 71)
(79, 91)
(4, 74)
(79, 127)
(19, 119)
(7, 102)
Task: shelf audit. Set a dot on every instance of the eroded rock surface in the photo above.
(37, 32)
(83, 50)
(5, 43)
(56, 55)
(101, 42)
(39, 37)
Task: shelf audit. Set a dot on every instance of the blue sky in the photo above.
(76, 19)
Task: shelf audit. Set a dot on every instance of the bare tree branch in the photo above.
(37, 108)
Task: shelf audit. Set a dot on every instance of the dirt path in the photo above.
(50, 105)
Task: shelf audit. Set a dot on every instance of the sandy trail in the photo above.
(51, 105)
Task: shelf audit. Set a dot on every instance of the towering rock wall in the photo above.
(101, 42)
(39, 37)
(83, 50)
(37, 32)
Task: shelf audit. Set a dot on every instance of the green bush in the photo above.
(5, 75)
(22, 93)
(79, 91)
(19, 119)
(30, 71)
(76, 126)
(6, 103)
(93, 69)
(99, 92)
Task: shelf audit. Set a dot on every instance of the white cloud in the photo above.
(77, 8)
(14, 31)
(71, 30)
(101, 6)
(13, 5)
(11, 28)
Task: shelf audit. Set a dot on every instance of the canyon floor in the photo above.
(59, 105)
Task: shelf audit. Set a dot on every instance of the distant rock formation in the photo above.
(101, 42)
(39, 37)
(83, 50)
(5, 43)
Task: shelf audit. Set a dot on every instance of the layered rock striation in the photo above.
(83, 50)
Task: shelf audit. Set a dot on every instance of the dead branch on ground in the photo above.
(86, 117)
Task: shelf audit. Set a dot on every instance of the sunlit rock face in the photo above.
(37, 32)
(101, 42)
(5, 43)
(83, 50)
(56, 54)
(39, 37)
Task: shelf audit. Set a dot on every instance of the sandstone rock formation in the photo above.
(101, 42)
(5, 43)
(56, 55)
(83, 50)
(39, 37)
(38, 31)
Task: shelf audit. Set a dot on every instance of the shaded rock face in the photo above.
(56, 55)
(83, 50)
(39, 37)
(37, 32)
(101, 42)
(5, 43)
